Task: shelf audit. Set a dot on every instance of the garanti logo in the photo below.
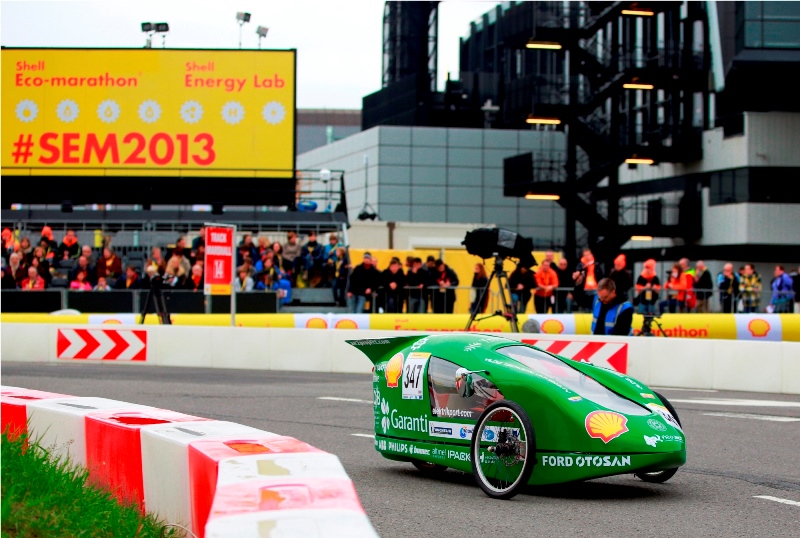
(605, 425)
(394, 369)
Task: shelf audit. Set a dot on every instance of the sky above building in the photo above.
(338, 42)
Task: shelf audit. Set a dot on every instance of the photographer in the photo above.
(587, 274)
(611, 314)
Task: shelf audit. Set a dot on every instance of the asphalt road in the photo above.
(740, 446)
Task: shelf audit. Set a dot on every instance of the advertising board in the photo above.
(148, 112)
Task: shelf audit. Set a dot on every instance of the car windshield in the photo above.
(578, 382)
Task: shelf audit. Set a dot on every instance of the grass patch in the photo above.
(45, 496)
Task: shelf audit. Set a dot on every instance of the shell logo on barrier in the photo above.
(394, 368)
(346, 324)
(552, 326)
(112, 322)
(605, 425)
(759, 328)
(316, 323)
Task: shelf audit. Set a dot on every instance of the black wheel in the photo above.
(429, 469)
(503, 449)
(659, 477)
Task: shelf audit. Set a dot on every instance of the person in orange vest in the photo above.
(546, 283)
(688, 277)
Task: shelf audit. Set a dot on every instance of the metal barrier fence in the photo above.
(124, 301)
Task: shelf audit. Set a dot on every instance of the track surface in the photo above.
(731, 459)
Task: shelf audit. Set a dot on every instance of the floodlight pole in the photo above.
(241, 23)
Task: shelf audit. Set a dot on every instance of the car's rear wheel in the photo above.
(659, 477)
(503, 449)
(429, 469)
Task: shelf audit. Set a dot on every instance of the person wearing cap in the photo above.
(364, 280)
(621, 276)
(394, 282)
(647, 288)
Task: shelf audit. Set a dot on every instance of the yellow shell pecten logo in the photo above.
(316, 323)
(605, 425)
(552, 326)
(346, 324)
(393, 370)
(758, 327)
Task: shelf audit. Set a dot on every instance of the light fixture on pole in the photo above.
(641, 238)
(636, 84)
(162, 28)
(638, 12)
(639, 160)
(261, 31)
(241, 18)
(149, 29)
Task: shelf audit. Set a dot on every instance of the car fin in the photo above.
(379, 349)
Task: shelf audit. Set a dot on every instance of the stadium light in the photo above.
(545, 45)
(552, 197)
(641, 238)
(147, 27)
(638, 12)
(637, 86)
(639, 160)
(542, 121)
(261, 31)
(241, 18)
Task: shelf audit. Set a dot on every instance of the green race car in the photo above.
(513, 414)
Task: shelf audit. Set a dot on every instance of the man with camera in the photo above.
(611, 314)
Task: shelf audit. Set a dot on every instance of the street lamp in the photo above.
(241, 18)
(261, 31)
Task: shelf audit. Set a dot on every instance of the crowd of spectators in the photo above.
(409, 286)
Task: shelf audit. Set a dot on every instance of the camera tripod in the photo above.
(647, 329)
(159, 303)
(509, 309)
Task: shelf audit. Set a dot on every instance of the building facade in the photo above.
(441, 175)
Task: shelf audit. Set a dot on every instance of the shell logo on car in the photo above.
(758, 327)
(552, 326)
(394, 368)
(605, 425)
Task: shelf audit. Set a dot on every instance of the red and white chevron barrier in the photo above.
(218, 479)
(611, 355)
(102, 344)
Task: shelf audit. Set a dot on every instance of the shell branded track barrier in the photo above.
(757, 327)
(218, 479)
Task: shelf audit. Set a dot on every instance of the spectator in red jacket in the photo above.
(109, 266)
(34, 282)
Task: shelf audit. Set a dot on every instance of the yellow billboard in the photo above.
(134, 112)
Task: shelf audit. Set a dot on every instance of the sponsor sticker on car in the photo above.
(666, 415)
(413, 373)
(605, 425)
(587, 460)
(393, 371)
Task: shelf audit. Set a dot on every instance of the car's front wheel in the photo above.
(503, 449)
(659, 477)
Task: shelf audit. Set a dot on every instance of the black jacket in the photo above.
(363, 279)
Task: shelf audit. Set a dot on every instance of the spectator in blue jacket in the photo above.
(311, 260)
(782, 292)
(728, 284)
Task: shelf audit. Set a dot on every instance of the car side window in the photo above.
(445, 400)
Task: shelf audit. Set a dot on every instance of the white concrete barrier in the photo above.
(674, 362)
(145, 455)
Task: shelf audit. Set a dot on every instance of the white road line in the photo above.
(363, 435)
(685, 390)
(754, 417)
(777, 500)
(335, 399)
(738, 403)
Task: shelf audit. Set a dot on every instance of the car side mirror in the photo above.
(464, 383)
